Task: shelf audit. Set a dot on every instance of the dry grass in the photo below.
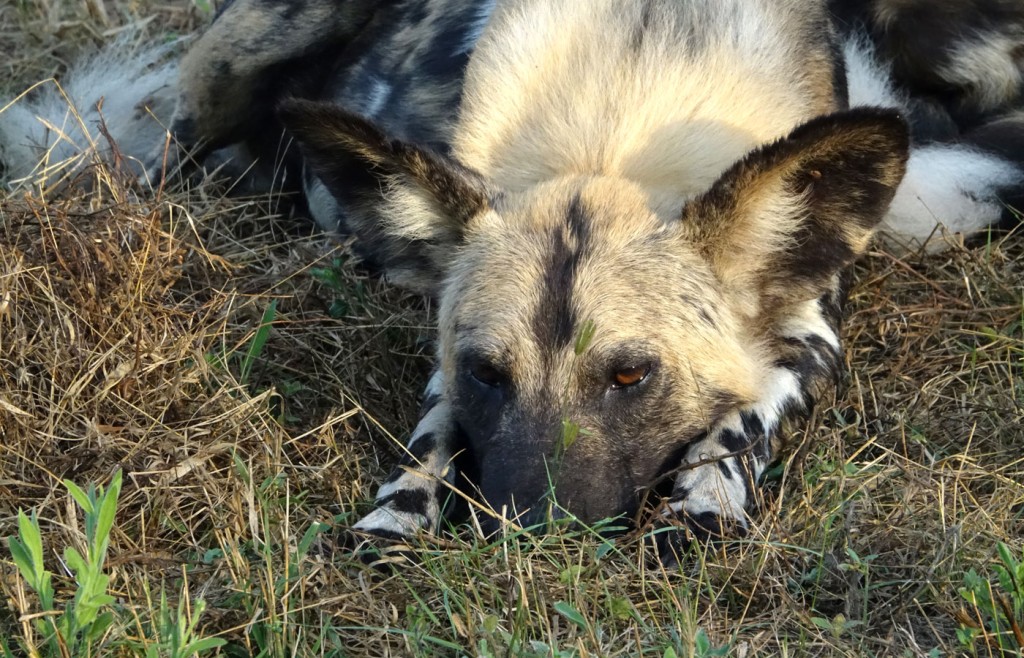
(126, 324)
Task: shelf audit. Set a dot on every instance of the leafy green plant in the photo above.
(83, 625)
(996, 613)
(176, 635)
(350, 296)
(83, 622)
(837, 625)
(702, 647)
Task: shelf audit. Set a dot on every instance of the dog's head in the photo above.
(584, 340)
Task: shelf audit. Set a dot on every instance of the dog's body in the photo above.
(638, 217)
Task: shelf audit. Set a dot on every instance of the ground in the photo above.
(250, 381)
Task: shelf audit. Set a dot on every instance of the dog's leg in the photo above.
(716, 483)
(411, 499)
(232, 77)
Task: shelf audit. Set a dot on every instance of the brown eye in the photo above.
(624, 377)
(487, 374)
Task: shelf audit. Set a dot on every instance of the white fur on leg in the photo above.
(390, 522)
(323, 207)
(706, 487)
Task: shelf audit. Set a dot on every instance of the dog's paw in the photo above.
(382, 550)
(685, 530)
(383, 538)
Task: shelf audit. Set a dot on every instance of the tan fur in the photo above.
(671, 120)
(629, 286)
(635, 142)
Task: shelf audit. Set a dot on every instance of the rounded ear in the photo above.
(784, 220)
(407, 205)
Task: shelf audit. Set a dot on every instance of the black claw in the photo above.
(672, 543)
(674, 540)
(384, 555)
(381, 549)
(705, 527)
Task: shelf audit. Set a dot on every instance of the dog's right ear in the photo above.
(407, 205)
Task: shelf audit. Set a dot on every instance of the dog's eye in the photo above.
(487, 374)
(624, 377)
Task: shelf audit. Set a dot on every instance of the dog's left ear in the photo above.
(784, 220)
(407, 205)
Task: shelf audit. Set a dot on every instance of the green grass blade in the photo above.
(205, 644)
(307, 538)
(241, 469)
(572, 614)
(583, 338)
(259, 340)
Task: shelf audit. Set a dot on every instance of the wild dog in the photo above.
(687, 178)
